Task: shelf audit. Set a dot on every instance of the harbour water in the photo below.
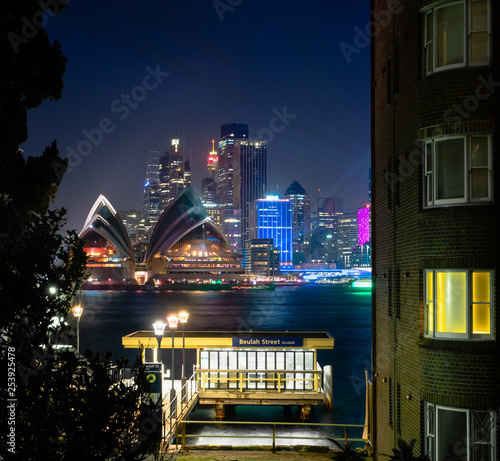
(342, 311)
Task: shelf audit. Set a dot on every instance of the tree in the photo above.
(61, 405)
(31, 71)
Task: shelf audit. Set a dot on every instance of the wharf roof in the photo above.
(211, 339)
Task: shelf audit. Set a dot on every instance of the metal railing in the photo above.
(266, 380)
(174, 411)
(183, 435)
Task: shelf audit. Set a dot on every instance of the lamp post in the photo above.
(77, 312)
(172, 320)
(183, 316)
(159, 327)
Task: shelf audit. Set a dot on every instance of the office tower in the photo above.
(347, 238)
(253, 156)
(364, 225)
(208, 191)
(301, 204)
(209, 199)
(212, 162)
(131, 219)
(230, 133)
(230, 221)
(272, 217)
(435, 226)
(151, 200)
(174, 174)
(262, 258)
(327, 209)
(187, 173)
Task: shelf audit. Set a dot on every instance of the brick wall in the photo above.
(408, 238)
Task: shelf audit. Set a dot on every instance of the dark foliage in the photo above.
(404, 452)
(347, 453)
(65, 406)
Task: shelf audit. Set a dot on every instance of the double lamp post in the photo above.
(159, 327)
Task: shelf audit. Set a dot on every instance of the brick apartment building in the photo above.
(436, 226)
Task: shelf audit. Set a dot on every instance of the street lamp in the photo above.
(172, 320)
(159, 327)
(77, 312)
(183, 316)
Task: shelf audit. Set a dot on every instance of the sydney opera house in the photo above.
(185, 247)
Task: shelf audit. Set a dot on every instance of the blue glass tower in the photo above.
(272, 217)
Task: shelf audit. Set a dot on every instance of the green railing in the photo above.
(183, 435)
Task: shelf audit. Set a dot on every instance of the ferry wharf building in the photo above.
(435, 79)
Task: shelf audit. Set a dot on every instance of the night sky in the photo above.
(276, 65)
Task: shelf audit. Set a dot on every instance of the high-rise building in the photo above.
(364, 225)
(301, 204)
(230, 219)
(151, 200)
(209, 199)
(131, 219)
(272, 218)
(212, 162)
(326, 212)
(436, 220)
(208, 191)
(174, 174)
(347, 239)
(253, 173)
(262, 258)
(230, 133)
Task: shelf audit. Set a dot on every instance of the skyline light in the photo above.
(138, 77)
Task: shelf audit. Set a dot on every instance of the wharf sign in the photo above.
(267, 342)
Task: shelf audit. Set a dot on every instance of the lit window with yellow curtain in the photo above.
(458, 304)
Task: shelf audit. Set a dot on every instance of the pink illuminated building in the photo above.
(364, 225)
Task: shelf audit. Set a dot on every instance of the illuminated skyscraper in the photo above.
(301, 204)
(230, 134)
(212, 162)
(347, 239)
(364, 225)
(151, 200)
(253, 173)
(174, 174)
(272, 218)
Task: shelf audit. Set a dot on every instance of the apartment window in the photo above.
(459, 433)
(458, 304)
(457, 34)
(457, 170)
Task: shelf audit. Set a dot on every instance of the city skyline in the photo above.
(136, 78)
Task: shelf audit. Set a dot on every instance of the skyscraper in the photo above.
(151, 197)
(272, 218)
(301, 204)
(212, 162)
(347, 238)
(230, 133)
(253, 173)
(435, 215)
(174, 173)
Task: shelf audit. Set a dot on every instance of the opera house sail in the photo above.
(111, 259)
(186, 246)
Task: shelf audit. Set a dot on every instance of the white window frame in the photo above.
(468, 335)
(430, 42)
(431, 415)
(431, 170)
